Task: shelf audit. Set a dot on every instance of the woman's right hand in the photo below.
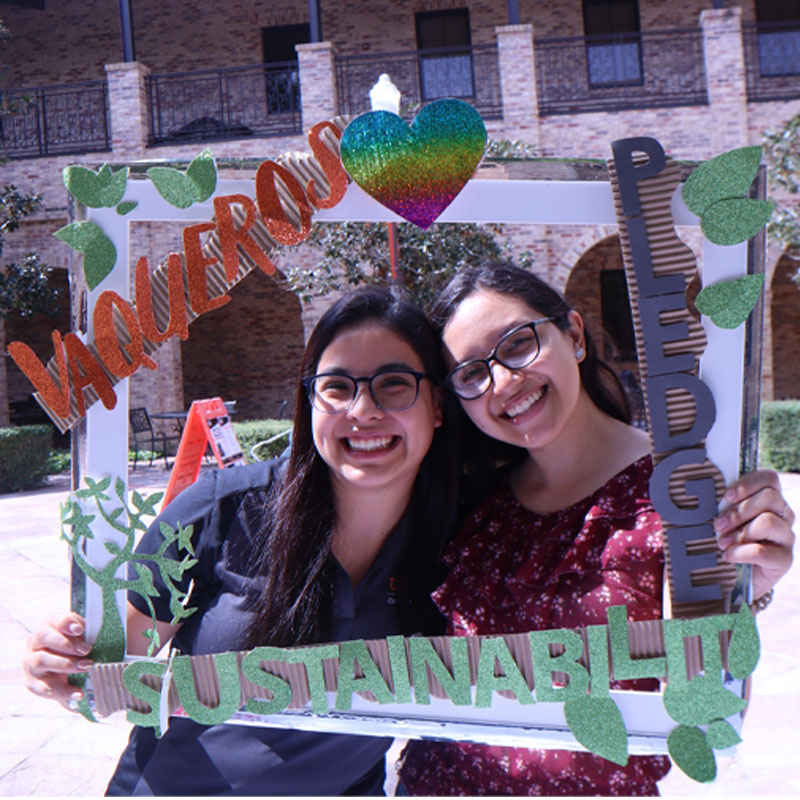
(54, 651)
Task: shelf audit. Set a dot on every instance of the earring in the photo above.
(580, 353)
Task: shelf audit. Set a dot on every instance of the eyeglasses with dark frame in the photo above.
(390, 389)
(517, 349)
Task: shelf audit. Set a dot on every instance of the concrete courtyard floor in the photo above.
(45, 750)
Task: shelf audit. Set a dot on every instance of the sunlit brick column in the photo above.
(725, 73)
(129, 109)
(518, 82)
(317, 82)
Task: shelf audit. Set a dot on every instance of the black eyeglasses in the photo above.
(391, 390)
(518, 348)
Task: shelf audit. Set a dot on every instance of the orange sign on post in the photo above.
(208, 423)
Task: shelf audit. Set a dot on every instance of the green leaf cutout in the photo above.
(745, 646)
(689, 749)
(729, 303)
(733, 221)
(173, 186)
(721, 735)
(723, 177)
(703, 700)
(597, 724)
(181, 189)
(101, 189)
(202, 172)
(126, 207)
(99, 253)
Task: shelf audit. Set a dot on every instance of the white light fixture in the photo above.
(384, 95)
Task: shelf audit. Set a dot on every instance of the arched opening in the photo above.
(785, 330)
(598, 289)
(248, 350)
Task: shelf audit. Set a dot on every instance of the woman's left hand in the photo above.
(757, 528)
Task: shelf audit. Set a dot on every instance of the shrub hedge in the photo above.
(779, 438)
(257, 430)
(23, 456)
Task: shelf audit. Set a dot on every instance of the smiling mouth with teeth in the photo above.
(371, 445)
(523, 405)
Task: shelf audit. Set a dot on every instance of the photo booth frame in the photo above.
(730, 358)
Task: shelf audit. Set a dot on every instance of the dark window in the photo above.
(616, 311)
(446, 62)
(778, 37)
(613, 47)
(283, 85)
(279, 41)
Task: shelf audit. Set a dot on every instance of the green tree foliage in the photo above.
(355, 253)
(782, 152)
(23, 285)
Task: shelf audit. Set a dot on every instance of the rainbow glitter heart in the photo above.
(416, 170)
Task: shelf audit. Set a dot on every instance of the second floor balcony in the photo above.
(228, 103)
(574, 76)
(55, 120)
(471, 74)
(625, 71)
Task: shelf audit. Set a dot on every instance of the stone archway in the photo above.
(785, 308)
(597, 288)
(249, 350)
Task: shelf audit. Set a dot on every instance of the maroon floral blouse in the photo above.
(513, 571)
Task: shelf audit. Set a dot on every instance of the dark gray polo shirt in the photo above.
(193, 759)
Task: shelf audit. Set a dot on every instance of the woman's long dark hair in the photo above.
(485, 455)
(295, 538)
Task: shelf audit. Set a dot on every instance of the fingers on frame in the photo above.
(753, 482)
(767, 500)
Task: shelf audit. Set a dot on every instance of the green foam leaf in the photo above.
(173, 186)
(721, 734)
(99, 253)
(725, 176)
(733, 221)
(126, 207)
(202, 172)
(689, 749)
(111, 193)
(745, 646)
(181, 189)
(729, 303)
(597, 724)
(101, 189)
(703, 700)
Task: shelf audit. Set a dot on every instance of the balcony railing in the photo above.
(467, 73)
(55, 120)
(772, 59)
(610, 73)
(228, 103)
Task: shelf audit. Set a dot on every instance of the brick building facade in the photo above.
(700, 79)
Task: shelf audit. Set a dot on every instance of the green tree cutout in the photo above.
(126, 519)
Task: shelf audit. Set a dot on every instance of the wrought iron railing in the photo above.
(226, 103)
(55, 120)
(467, 73)
(772, 60)
(609, 73)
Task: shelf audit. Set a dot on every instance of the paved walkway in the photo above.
(45, 750)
